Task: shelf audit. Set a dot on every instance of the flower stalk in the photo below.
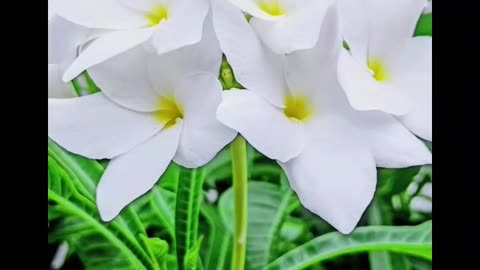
(239, 168)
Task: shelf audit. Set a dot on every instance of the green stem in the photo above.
(239, 169)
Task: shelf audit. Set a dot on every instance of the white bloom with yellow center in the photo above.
(387, 69)
(152, 109)
(286, 25)
(295, 112)
(168, 24)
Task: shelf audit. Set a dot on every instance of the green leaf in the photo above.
(157, 247)
(394, 181)
(77, 222)
(227, 78)
(267, 204)
(192, 258)
(407, 240)
(74, 218)
(424, 25)
(187, 210)
(157, 208)
(420, 264)
(220, 240)
(84, 85)
(292, 229)
(382, 260)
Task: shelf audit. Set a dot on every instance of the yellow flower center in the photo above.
(158, 14)
(298, 108)
(170, 111)
(271, 7)
(379, 70)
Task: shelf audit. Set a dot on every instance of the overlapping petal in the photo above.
(95, 127)
(129, 176)
(166, 70)
(125, 79)
(56, 87)
(264, 126)
(391, 23)
(335, 175)
(365, 93)
(412, 64)
(296, 31)
(110, 14)
(184, 26)
(64, 38)
(255, 67)
(203, 136)
(106, 47)
(392, 145)
(136, 78)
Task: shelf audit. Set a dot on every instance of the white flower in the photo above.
(152, 109)
(387, 68)
(64, 40)
(295, 112)
(169, 24)
(285, 25)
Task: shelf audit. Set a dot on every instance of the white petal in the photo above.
(391, 23)
(251, 7)
(95, 127)
(125, 79)
(167, 69)
(335, 176)
(365, 93)
(265, 127)
(354, 27)
(56, 87)
(313, 73)
(99, 14)
(296, 31)
(412, 65)
(106, 47)
(129, 176)
(203, 135)
(51, 13)
(428, 7)
(143, 5)
(64, 38)
(184, 26)
(392, 145)
(254, 67)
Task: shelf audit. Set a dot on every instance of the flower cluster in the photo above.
(332, 90)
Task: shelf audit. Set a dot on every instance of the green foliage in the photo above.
(187, 210)
(73, 217)
(409, 240)
(219, 247)
(267, 204)
(280, 231)
(424, 26)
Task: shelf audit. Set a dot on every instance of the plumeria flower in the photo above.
(64, 40)
(387, 68)
(295, 112)
(168, 24)
(285, 25)
(152, 109)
